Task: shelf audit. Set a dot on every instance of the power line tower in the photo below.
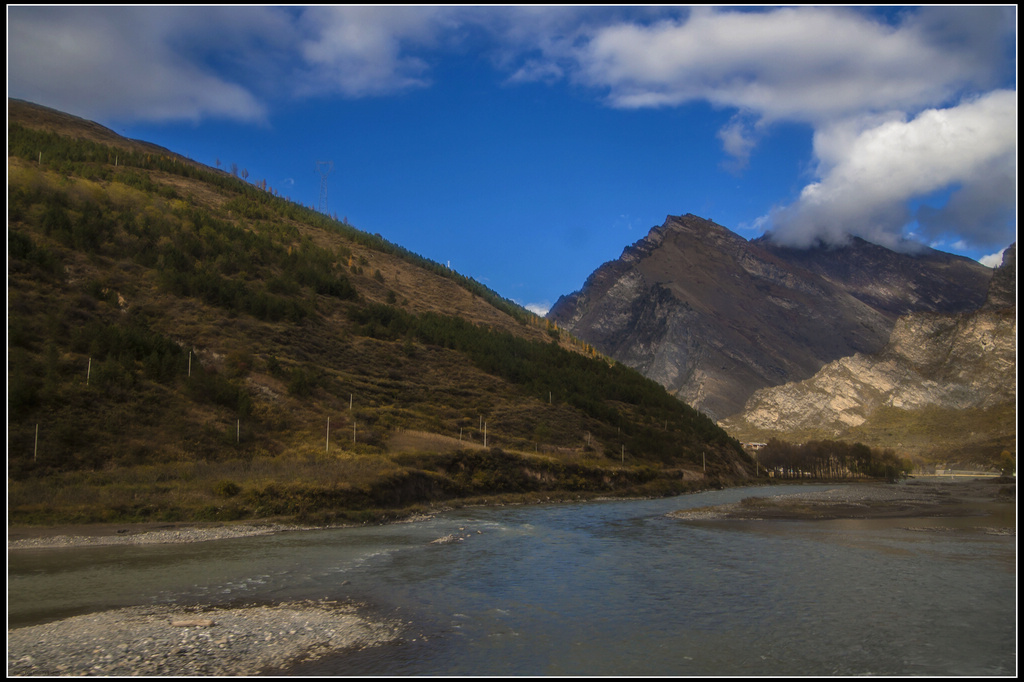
(324, 168)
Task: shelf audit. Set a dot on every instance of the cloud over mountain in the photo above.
(870, 169)
(883, 98)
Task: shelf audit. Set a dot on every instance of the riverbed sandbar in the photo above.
(168, 640)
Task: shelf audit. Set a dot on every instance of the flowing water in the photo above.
(600, 588)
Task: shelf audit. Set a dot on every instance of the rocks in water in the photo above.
(453, 537)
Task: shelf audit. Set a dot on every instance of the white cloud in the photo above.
(115, 63)
(809, 64)
(984, 208)
(540, 309)
(536, 70)
(994, 260)
(361, 51)
(189, 63)
(738, 141)
(870, 171)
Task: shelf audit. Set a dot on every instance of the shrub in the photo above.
(227, 489)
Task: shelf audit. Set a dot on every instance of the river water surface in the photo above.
(599, 588)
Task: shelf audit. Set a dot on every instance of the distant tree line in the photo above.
(831, 459)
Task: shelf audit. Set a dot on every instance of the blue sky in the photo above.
(526, 146)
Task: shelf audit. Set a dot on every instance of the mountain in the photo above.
(892, 282)
(943, 388)
(714, 317)
(186, 345)
(1002, 291)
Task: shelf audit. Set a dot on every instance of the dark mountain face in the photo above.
(714, 317)
(1002, 292)
(893, 282)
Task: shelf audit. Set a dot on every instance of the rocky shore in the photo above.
(176, 641)
(862, 501)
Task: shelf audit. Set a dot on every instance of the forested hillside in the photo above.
(186, 344)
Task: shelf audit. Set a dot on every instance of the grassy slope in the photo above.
(181, 339)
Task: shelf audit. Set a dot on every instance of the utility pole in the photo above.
(324, 168)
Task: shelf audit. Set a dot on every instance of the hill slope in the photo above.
(186, 345)
(714, 317)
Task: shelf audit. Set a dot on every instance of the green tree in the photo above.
(1007, 463)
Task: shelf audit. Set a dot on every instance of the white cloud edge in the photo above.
(993, 260)
(541, 309)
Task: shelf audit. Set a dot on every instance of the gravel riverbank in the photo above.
(41, 537)
(101, 534)
(175, 641)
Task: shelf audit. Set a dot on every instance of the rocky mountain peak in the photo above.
(714, 317)
(675, 229)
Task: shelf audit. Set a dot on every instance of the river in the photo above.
(597, 588)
